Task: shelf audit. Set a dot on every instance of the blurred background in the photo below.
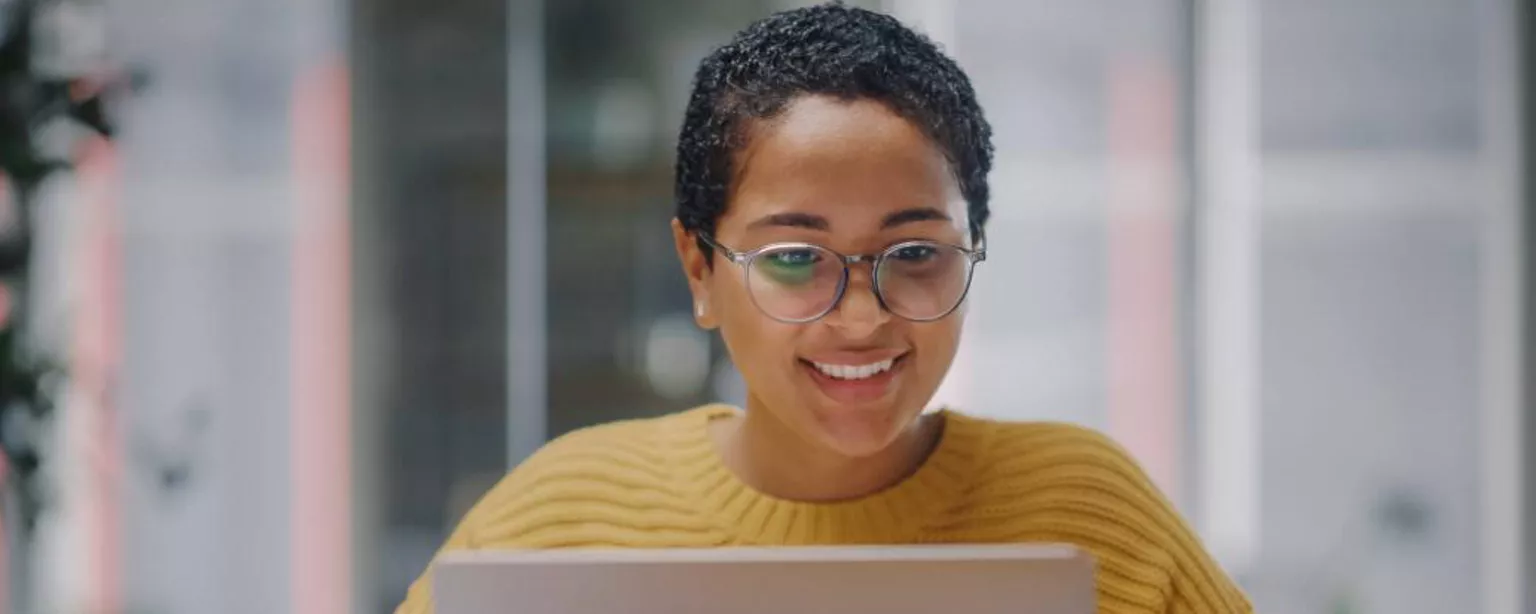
(288, 285)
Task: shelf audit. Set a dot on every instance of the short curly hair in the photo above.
(832, 50)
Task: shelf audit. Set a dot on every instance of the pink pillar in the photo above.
(95, 357)
(1144, 371)
(321, 540)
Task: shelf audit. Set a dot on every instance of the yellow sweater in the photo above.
(659, 483)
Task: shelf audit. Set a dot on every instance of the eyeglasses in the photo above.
(921, 281)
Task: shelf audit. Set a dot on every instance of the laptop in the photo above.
(942, 579)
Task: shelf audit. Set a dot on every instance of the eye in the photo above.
(793, 257)
(791, 266)
(914, 254)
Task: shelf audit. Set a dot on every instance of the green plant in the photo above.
(36, 95)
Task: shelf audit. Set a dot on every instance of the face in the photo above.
(854, 177)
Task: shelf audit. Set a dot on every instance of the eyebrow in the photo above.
(792, 220)
(816, 222)
(915, 214)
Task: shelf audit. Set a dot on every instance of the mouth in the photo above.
(855, 384)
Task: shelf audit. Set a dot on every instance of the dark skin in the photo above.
(857, 178)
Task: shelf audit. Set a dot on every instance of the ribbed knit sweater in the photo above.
(660, 483)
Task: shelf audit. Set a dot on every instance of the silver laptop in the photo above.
(1016, 579)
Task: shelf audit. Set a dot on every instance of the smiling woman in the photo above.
(831, 195)
(825, 176)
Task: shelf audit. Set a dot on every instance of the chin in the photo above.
(861, 434)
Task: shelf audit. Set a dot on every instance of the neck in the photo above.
(773, 459)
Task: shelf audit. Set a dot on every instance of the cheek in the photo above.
(758, 344)
(937, 343)
(733, 305)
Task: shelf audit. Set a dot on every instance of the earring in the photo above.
(698, 309)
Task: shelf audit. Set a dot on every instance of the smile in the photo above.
(856, 384)
(854, 372)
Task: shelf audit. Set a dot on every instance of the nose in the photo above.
(859, 314)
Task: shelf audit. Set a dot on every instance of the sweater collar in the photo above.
(894, 515)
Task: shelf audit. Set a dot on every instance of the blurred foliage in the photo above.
(34, 102)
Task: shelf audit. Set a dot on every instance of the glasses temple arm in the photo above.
(730, 254)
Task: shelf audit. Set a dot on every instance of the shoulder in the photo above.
(1059, 466)
(609, 451)
(1032, 447)
(612, 466)
(1070, 464)
(1062, 473)
(618, 443)
(1070, 483)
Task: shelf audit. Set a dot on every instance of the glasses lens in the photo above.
(796, 283)
(924, 281)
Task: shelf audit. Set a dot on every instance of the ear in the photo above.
(696, 267)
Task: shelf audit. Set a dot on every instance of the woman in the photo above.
(831, 195)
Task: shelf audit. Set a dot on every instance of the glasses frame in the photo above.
(745, 259)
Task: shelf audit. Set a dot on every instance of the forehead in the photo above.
(853, 162)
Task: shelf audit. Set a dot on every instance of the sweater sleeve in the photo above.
(508, 515)
(1196, 583)
(1075, 485)
(418, 599)
(513, 498)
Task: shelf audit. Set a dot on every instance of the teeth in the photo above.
(854, 371)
